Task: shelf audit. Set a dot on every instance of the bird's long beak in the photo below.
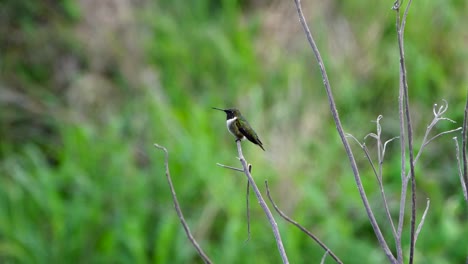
(219, 109)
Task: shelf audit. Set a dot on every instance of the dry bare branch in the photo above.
(303, 229)
(271, 219)
(248, 208)
(378, 174)
(442, 133)
(339, 127)
(246, 197)
(464, 158)
(380, 154)
(405, 117)
(438, 116)
(192, 240)
(385, 145)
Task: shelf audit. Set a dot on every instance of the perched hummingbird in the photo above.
(239, 127)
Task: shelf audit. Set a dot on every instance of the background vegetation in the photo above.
(86, 88)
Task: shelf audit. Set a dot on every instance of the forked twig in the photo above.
(442, 133)
(303, 229)
(246, 197)
(438, 116)
(378, 174)
(339, 127)
(200, 251)
(381, 148)
(263, 204)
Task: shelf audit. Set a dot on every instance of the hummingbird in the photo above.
(238, 126)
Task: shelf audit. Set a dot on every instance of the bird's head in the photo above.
(230, 113)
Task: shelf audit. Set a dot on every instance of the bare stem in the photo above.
(404, 108)
(381, 154)
(460, 173)
(229, 167)
(423, 218)
(248, 210)
(339, 128)
(246, 195)
(303, 229)
(200, 251)
(464, 158)
(263, 204)
(378, 174)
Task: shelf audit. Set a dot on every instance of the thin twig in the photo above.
(440, 134)
(303, 229)
(263, 204)
(462, 180)
(248, 210)
(366, 151)
(409, 127)
(200, 251)
(324, 257)
(401, 217)
(404, 107)
(385, 145)
(464, 143)
(247, 195)
(378, 175)
(379, 144)
(229, 167)
(339, 127)
(381, 153)
(404, 181)
(423, 218)
(438, 116)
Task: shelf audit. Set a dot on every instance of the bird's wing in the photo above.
(250, 136)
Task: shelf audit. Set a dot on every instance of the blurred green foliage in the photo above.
(86, 88)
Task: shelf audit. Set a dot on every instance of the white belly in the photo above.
(228, 125)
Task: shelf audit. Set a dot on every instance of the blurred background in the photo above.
(87, 87)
